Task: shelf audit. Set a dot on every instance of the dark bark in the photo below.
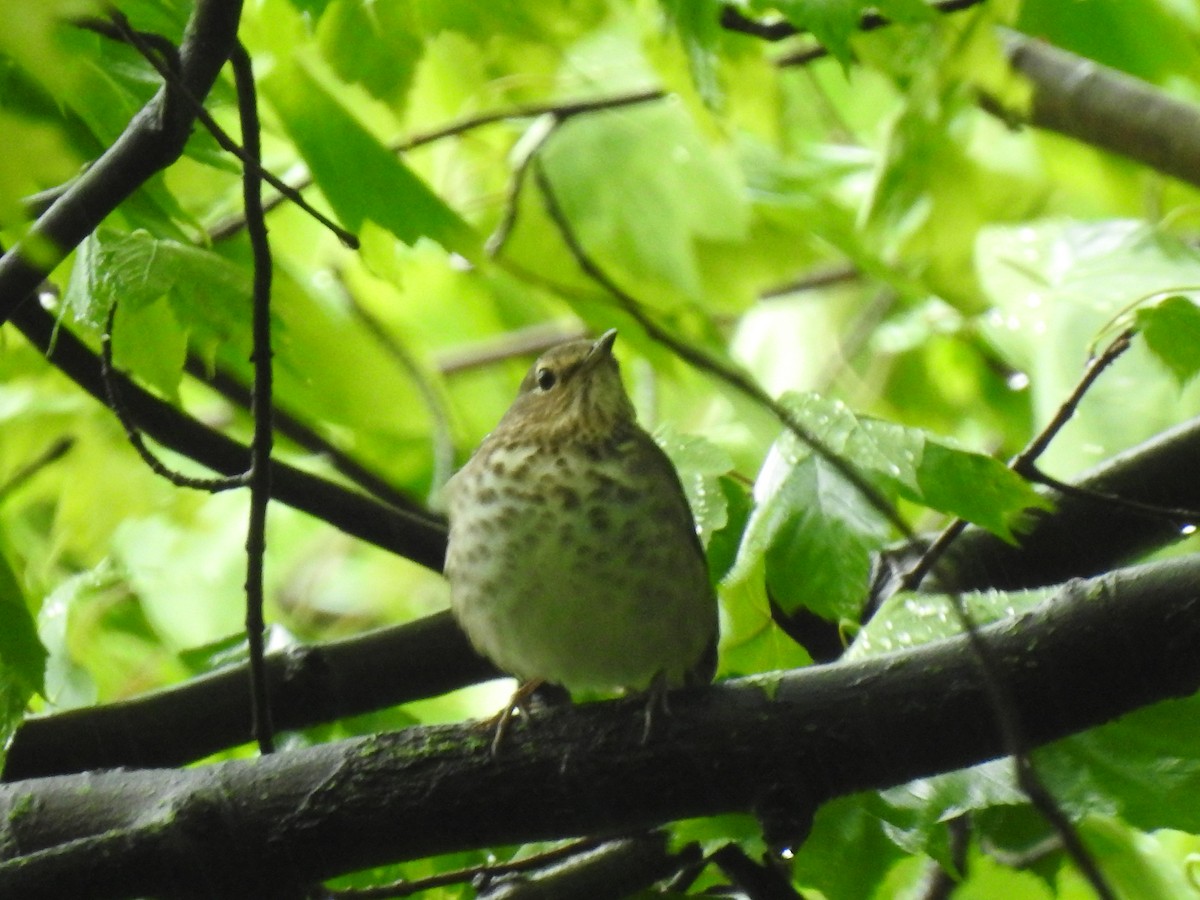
(154, 138)
(1086, 536)
(785, 742)
(308, 685)
(312, 685)
(415, 534)
(1106, 108)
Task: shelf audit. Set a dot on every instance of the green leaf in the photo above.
(911, 619)
(626, 181)
(361, 178)
(848, 851)
(810, 534)
(700, 464)
(723, 544)
(1172, 332)
(374, 44)
(751, 642)
(205, 295)
(832, 22)
(22, 656)
(1144, 767)
(975, 487)
(1146, 866)
(149, 340)
(819, 550)
(918, 466)
(697, 22)
(986, 879)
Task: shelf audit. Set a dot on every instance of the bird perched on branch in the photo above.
(573, 556)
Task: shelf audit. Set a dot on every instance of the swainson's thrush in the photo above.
(573, 555)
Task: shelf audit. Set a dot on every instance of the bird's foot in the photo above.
(656, 701)
(521, 702)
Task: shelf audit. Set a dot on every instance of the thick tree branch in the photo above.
(308, 686)
(786, 741)
(1085, 536)
(1106, 108)
(1024, 461)
(412, 533)
(312, 685)
(154, 138)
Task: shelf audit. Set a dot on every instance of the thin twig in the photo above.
(516, 186)
(707, 363)
(51, 454)
(443, 436)
(1096, 367)
(1151, 510)
(233, 224)
(528, 341)
(777, 31)
(812, 280)
(484, 873)
(1023, 461)
(134, 434)
(138, 41)
(260, 399)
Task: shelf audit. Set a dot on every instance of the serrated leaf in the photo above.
(360, 177)
(975, 487)
(1172, 332)
(813, 532)
(137, 269)
(166, 291)
(918, 466)
(819, 552)
(911, 619)
(700, 464)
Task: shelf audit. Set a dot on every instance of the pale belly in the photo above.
(592, 587)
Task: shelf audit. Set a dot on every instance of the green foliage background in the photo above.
(982, 263)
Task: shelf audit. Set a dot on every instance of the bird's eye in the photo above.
(546, 379)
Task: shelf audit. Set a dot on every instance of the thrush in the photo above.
(573, 556)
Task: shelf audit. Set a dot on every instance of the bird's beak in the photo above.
(603, 345)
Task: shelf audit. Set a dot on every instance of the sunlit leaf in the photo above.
(22, 656)
(361, 178)
(1172, 332)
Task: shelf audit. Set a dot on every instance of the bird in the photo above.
(573, 557)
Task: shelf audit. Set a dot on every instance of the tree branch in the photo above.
(1103, 107)
(154, 138)
(1084, 536)
(308, 685)
(1111, 645)
(316, 684)
(413, 533)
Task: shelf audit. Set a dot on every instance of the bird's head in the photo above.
(573, 391)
